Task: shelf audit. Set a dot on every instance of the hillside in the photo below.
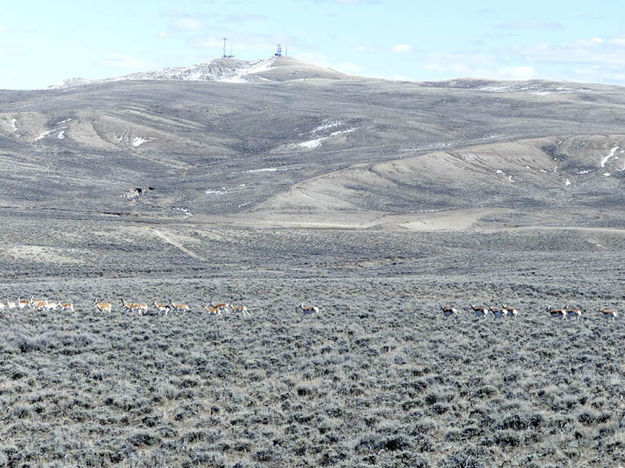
(213, 147)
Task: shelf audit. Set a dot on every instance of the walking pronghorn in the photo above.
(239, 310)
(510, 311)
(498, 312)
(50, 306)
(135, 307)
(212, 310)
(308, 310)
(11, 304)
(38, 304)
(162, 308)
(67, 307)
(609, 314)
(223, 306)
(449, 311)
(103, 306)
(556, 313)
(179, 306)
(480, 311)
(572, 313)
(22, 304)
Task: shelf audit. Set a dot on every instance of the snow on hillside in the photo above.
(228, 70)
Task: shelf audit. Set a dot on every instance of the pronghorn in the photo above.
(308, 310)
(50, 306)
(162, 308)
(38, 305)
(21, 304)
(103, 306)
(609, 314)
(212, 310)
(510, 311)
(179, 306)
(68, 306)
(11, 304)
(556, 313)
(135, 307)
(223, 306)
(449, 311)
(480, 311)
(239, 310)
(498, 312)
(573, 313)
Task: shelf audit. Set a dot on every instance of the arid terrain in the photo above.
(375, 201)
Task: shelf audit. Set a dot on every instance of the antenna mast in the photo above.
(279, 51)
(225, 55)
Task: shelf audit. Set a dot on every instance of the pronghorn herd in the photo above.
(567, 311)
(140, 308)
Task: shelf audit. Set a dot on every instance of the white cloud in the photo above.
(163, 34)
(401, 48)
(188, 24)
(124, 62)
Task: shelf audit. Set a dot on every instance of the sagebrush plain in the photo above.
(375, 201)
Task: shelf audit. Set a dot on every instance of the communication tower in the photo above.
(279, 51)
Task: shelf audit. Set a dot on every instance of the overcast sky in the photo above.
(43, 42)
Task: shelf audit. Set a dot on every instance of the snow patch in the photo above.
(63, 121)
(607, 174)
(612, 153)
(138, 141)
(184, 211)
(266, 169)
(43, 135)
(312, 144)
(61, 135)
(219, 193)
(326, 125)
(567, 182)
(500, 172)
(584, 172)
(14, 125)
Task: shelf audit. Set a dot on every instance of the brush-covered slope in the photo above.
(547, 181)
(220, 148)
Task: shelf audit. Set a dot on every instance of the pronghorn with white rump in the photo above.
(556, 313)
(449, 311)
(11, 304)
(162, 308)
(103, 306)
(223, 306)
(239, 310)
(510, 311)
(212, 310)
(179, 307)
(572, 313)
(498, 312)
(23, 303)
(67, 307)
(137, 307)
(38, 304)
(480, 311)
(308, 309)
(609, 314)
